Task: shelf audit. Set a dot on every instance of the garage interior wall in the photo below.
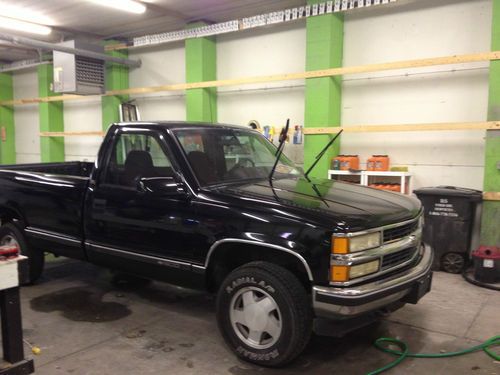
(82, 115)
(428, 95)
(160, 66)
(411, 30)
(26, 117)
(276, 50)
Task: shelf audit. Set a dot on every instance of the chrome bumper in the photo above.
(334, 302)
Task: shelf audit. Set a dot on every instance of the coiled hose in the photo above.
(403, 352)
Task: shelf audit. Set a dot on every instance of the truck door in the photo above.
(127, 227)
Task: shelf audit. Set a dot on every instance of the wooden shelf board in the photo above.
(408, 64)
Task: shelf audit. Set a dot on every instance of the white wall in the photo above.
(404, 31)
(26, 117)
(276, 50)
(160, 66)
(82, 115)
(435, 94)
(79, 115)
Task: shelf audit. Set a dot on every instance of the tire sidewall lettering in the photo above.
(258, 356)
(249, 280)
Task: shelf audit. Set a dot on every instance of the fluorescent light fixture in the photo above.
(26, 27)
(125, 5)
(24, 14)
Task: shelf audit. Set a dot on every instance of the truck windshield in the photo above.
(223, 155)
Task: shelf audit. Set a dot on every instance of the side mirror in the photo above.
(161, 186)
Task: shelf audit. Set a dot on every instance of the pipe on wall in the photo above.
(75, 51)
(16, 67)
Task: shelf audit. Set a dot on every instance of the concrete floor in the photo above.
(84, 324)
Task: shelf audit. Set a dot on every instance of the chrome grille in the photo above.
(394, 234)
(399, 249)
(397, 258)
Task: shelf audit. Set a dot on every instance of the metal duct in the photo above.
(75, 51)
(22, 65)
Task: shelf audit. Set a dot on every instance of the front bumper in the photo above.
(407, 286)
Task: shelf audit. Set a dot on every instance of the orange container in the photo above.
(345, 162)
(351, 162)
(378, 163)
(396, 188)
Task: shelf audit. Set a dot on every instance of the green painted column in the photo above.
(490, 232)
(116, 79)
(51, 118)
(201, 65)
(7, 146)
(324, 48)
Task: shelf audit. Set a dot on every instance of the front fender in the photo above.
(287, 247)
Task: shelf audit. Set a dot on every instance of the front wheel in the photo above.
(264, 314)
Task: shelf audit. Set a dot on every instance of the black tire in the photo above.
(293, 312)
(36, 259)
(453, 262)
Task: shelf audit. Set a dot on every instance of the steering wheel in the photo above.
(244, 163)
(240, 167)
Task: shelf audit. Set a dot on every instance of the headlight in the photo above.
(345, 245)
(364, 242)
(364, 269)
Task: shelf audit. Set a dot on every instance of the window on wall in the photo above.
(137, 156)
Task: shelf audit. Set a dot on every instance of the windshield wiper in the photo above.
(281, 146)
(318, 157)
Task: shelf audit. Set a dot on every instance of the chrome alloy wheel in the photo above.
(255, 317)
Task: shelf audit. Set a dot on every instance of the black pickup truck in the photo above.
(193, 204)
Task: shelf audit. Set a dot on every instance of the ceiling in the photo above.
(83, 18)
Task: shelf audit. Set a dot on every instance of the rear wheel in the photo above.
(453, 262)
(10, 234)
(264, 314)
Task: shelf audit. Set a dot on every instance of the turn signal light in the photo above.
(346, 273)
(339, 273)
(340, 245)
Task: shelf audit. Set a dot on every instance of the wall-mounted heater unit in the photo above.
(75, 74)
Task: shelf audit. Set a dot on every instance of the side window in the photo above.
(135, 156)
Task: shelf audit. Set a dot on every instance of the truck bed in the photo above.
(72, 168)
(48, 198)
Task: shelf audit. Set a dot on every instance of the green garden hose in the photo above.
(403, 352)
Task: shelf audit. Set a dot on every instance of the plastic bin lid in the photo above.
(450, 191)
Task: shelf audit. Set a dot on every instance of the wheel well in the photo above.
(8, 216)
(230, 256)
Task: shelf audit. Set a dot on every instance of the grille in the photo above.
(394, 259)
(89, 71)
(397, 233)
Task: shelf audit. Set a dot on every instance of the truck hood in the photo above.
(346, 207)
